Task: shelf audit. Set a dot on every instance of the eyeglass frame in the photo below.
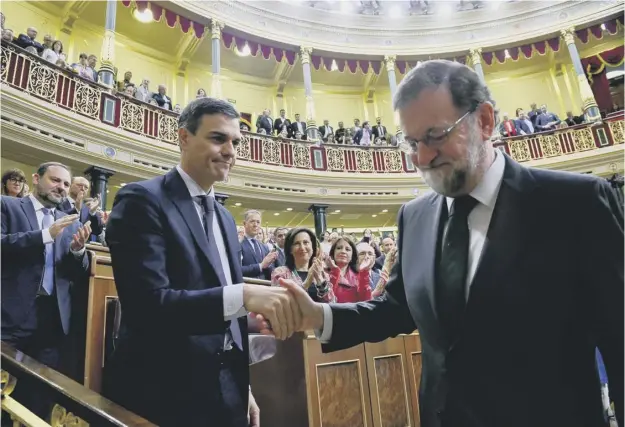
(17, 180)
(440, 140)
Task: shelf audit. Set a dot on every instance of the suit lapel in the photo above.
(230, 239)
(179, 194)
(29, 210)
(507, 236)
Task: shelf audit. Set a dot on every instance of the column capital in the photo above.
(305, 52)
(216, 27)
(476, 55)
(389, 60)
(568, 35)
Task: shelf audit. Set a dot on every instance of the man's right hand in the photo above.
(269, 259)
(276, 305)
(59, 225)
(311, 312)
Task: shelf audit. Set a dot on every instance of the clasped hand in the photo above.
(283, 310)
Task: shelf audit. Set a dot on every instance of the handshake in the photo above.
(282, 310)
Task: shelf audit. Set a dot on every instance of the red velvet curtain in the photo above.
(595, 68)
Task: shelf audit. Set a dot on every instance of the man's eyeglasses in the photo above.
(435, 137)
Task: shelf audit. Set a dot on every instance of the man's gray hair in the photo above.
(466, 88)
(247, 214)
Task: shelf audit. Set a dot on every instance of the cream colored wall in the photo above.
(28, 170)
(21, 15)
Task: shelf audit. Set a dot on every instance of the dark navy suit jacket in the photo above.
(23, 261)
(522, 126)
(251, 259)
(546, 293)
(173, 328)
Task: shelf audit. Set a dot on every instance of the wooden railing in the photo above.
(72, 404)
(64, 89)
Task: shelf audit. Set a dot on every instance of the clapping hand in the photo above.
(93, 205)
(81, 237)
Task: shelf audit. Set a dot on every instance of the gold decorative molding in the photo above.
(389, 60)
(7, 383)
(61, 418)
(568, 35)
(216, 27)
(305, 52)
(476, 55)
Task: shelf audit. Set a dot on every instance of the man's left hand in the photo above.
(93, 205)
(253, 412)
(81, 237)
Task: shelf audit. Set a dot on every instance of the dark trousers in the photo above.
(41, 338)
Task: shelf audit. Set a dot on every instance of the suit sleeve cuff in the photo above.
(324, 335)
(79, 253)
(233, 302)
(47, 237)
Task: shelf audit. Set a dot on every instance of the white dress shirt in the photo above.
(233, 293)
(485, 193)
(45, 233)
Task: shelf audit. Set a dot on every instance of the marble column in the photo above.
(476, 61)
(221, 198)
(589, 105)
(106, 73)
(311, 126)
(389, 60)
(216, 28)
(319, 214)
(99, 182)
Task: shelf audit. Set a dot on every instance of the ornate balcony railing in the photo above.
(64, 89)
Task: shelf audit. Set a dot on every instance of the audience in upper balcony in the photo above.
(546, 120)
(92, 61)
(264, 123)
(47, 42)
(298, 126)
(282, 124)
(130, 90)
(201, 93)
(7, 35)
(340, 133)
(13, 183)
(162, 99)
(82, 67)
(363, 135)
(122, 85)
(26, 40)
(54, 52)
(325, 130)
(379, 130)
(523, 123)
(508, 127)
(177, 108)
(143, 92)
(533, 114)
(573, 120)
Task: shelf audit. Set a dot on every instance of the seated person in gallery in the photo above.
(299, 136)
(546, 120)
(304, 264)
(508, 127)
(350, 281)
(572, 120)
(523, 124)
(339, 134)
(329, 139)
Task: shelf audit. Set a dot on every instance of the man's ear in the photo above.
(35, 179)
(486, 119)
(182, 137)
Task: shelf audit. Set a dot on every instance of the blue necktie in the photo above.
(208, 206)
(47, 281)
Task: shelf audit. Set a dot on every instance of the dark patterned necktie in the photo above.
(453, 265)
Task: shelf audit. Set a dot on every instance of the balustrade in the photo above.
(30, 74)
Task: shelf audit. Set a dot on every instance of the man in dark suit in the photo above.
(282, 123)
(162, 99)
(264, 122)
(280, 235)
(256, 259)
(28, 39)
(43, 253)
(176, 260)
(298, 126)
(325, 130)
(388, 244)
(523, 124)
(510, 306)
(86, 211)
(379, 131)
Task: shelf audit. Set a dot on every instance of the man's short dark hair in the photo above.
(43, 168)
(365, 123)
(466, 89)
(193, 113)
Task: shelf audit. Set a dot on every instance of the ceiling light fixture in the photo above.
(374, 215)
(603, 27)
(144, 17)
(507, 54)
(237, 204)
(246, 51)
(337, 211)
(276, 214)
(614, 74)
(385, 211)
(334, 67)
(289, 209)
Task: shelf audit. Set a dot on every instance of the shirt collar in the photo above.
(487, 189)
(37, 204)
(71, 200)
(193, 187)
